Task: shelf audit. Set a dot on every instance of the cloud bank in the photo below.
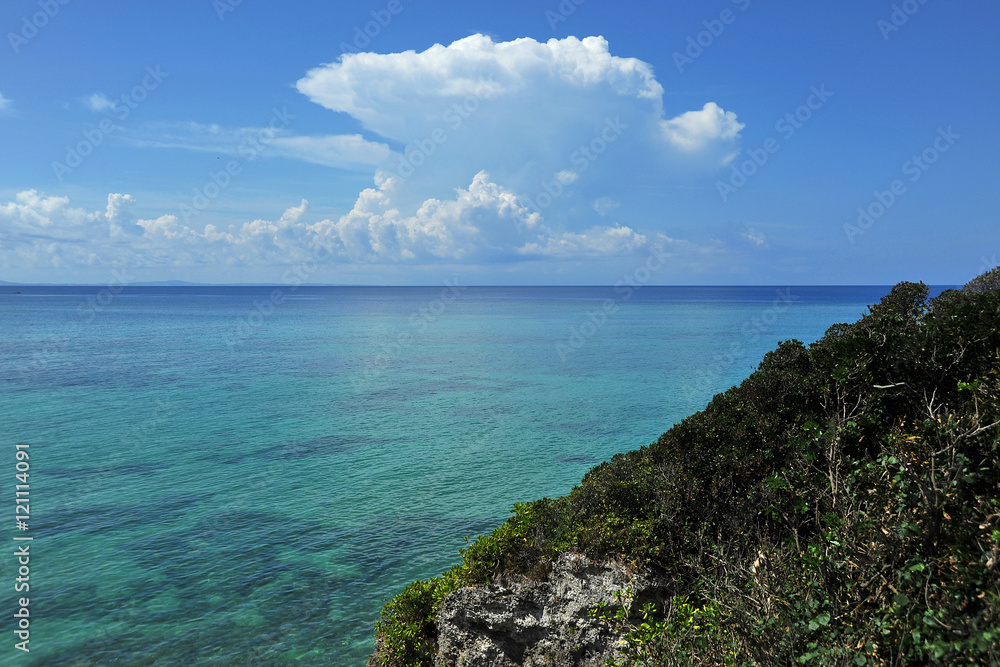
(482, 153)
(496, 106)
(483, 223)
(551, 124)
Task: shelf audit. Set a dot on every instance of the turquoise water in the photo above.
(222, 478)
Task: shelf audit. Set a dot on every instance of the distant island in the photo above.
(841, 506)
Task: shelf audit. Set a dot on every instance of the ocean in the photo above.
(244, 475)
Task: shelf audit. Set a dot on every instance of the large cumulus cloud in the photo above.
(482, 153)
(521, 89)
(555, 124)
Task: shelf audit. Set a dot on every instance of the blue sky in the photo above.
(410, 142)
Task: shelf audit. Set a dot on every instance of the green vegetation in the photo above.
(841, 506)
(406, 633)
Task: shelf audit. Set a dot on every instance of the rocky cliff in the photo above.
(541, 623)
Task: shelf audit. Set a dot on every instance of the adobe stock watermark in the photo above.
(293, 278)
(565, 9)
(787, 126)
(30, 26)
(248, 150)
(915, 167)
(86, 312)
(580, 159)
(487, 429)
(419, 320)
(132, 443)
(626, 288)
(696, 44)
(381, 18)
(418, 152)
(899, 17)
(750, 333)
(223, 7)
(122, 107)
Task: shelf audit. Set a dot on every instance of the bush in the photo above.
(840, 506)
(406, 634)
(987, 282)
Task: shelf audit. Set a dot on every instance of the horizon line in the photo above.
(182, 284)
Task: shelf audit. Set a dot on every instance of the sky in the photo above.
(409, 142)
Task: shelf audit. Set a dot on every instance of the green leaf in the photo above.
(822, 619)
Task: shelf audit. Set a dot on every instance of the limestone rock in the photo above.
(540, 623)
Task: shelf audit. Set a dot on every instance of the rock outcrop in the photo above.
(541, 623)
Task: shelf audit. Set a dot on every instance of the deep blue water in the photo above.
(242, 476)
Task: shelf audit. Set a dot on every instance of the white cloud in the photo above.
(343, 151)
(39, 232)
(5, 103)
(203, 137)
(391, 93)
(259, 242)
(546, 89)
(695, 130)
(119, 214)
(482, 222)
(32, 212)
(99, 102)
(755, 238)
(347, 151)
(595, 242)
(520, 110)
(567, 176)
(536, 117)
(488, 128)
(605, 205)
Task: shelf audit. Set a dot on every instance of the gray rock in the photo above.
(541, 623)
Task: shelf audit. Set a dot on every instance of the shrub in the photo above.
(986, 282)
(839, 506)
(406, 634)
